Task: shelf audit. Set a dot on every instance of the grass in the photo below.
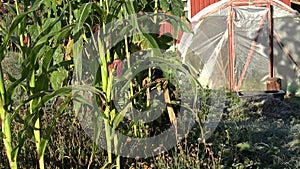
(254, 133)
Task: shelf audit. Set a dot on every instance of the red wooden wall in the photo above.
(198, 5)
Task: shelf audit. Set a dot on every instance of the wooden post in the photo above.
(273, 84)
(271, 35)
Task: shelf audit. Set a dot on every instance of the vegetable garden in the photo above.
(45, 73)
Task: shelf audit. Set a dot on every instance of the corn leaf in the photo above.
(84, 13)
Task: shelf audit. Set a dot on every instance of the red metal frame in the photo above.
(231, 50)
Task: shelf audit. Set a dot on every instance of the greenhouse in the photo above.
(242, 45)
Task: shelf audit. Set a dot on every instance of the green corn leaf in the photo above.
(15, 151)
(114, 13)
(164, 4)
(98, 9)
(26, 131)
(47, 26)
(23, 25)
(130, 7)
(57, 2)
(60, 92)
(103, 64)
(20, 17)
(49, 129)
(119, 118)
(77, 48)
(32, 31)
(84, 13)
(36, 51)
(47, 59)
(16, 41)
(107, 165)
(59, 65)
(82, 100)
(57, 78)
(43, 82)
(43, 40)
(126, 30)
(46, 32)
(67, 90)
(64, 91)
(43, 145)
(18, 118)
(10, 90)
(144, 2)
(152, 42)
(48, 3)
(7, 122)
(64, 33)
(176, 28)
(185, 26)
(87, 88)
(176, 7)
(11, 8)
(3, 30)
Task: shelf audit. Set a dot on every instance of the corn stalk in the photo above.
(6, 124)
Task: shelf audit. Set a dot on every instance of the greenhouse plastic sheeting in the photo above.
(206, 50)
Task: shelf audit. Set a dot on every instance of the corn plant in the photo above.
(37, 43)
(49, 35)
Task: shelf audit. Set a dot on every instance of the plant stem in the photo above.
(96, 137)
(19, 25)
(7, 140)
(37, 125)
(105, 85)
(2, 86)
(129, 65)
(118, 159)
(152, 54)
(155, 10)
(149, 81)
(108, 136)
(131, 93)
(6, 125)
